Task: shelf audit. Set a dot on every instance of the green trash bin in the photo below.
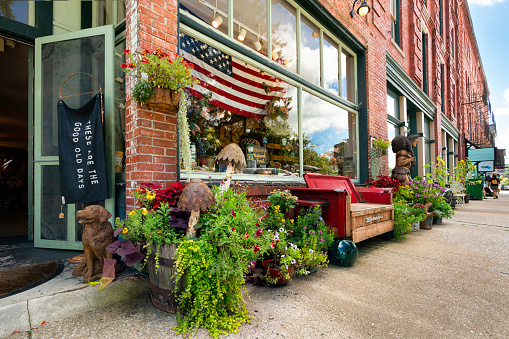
(474, 188)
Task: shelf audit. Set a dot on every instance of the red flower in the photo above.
(246, 236)
(259, 233)
(272, 245)
(233, 213)
(126, 51)
(131, 65)
(144, 60)
(256, 248)
(123, 65)
(233, 229)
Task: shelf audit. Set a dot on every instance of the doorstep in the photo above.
(63, 297)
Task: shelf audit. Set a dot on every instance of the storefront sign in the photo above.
(485, 166)
(83, 176)
(370, 219)
(260, 155)
(481, 154)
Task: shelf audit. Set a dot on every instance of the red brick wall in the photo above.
(151, 136)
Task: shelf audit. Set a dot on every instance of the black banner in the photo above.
(83, 176)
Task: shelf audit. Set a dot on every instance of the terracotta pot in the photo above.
(164, 100)
(276, 273)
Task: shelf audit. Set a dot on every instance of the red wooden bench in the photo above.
(357, 212)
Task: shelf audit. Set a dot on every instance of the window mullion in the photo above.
(298, 40)
(230, 18)
(269, 29)
(321, 58)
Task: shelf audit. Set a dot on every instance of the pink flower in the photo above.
(233, 213)
(246, 236)
(233, 229)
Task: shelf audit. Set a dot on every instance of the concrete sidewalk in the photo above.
(62, 297)
(449, 282)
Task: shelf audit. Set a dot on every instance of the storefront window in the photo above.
(329, 138)
(250, 23)
(213, 12)
(284, 33)
(392, 106)
(20, 11)
(330, 64)
(310, 50)
(347, 77)
(392, 131)
(238, 103)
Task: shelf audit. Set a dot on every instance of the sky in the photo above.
(491, 27)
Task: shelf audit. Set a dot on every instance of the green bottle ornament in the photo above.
(343, 253)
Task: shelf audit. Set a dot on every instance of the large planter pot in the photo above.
(467, 198)
(162, 279)
(276, 273)
(437, 220)
(164, 99)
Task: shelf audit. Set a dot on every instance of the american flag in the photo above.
(235, 86)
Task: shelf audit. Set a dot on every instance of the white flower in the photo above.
(281, 229)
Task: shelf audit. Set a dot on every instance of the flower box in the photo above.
(164, 100)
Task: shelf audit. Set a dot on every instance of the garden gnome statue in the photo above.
(405, 159)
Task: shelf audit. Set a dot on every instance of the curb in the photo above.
(32, 313)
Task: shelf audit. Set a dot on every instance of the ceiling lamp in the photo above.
(217, 21)
(257, 45)
(242, 34)
(315, 34)
(363, 9)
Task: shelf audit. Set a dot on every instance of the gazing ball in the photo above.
(343, 253)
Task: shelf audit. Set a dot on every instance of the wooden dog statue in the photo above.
(97, 235)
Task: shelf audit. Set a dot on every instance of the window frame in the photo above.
(395, 22)
(227, 48)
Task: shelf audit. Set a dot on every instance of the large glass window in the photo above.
(347, 76)
(392, 131)
(250, 23)
(310, 50)
(392, 105)
(238, 103)
(331, 66)
(329, 138)
(20, 11)
(284, 33)
(213, 12)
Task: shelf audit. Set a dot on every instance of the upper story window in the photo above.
(453, 101)
(424, 64)
(395, 22)
(318, 56)
(442, 76)
(440, 17)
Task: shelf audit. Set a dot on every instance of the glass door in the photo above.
(56, 58)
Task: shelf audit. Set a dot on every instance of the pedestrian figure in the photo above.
(494, 182)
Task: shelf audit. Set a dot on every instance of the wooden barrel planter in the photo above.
(162, 280)
(164, 100)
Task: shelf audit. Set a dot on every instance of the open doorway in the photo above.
(14, 169)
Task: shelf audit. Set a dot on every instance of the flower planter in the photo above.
(437, 221)
(467, 198)
(415, 226)
(276, 273)
(162, 280)
(164, 100)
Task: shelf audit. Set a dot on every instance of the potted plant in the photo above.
(379, 148)
(160, 81)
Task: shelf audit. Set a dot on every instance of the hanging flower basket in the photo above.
(164, 99)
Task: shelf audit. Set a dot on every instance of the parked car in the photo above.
(505, 188)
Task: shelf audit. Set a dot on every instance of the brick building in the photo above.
(301, 85)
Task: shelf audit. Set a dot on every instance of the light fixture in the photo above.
(242, 34)
(257, 45)
(217, 21)
(363, 9)
(315, 34)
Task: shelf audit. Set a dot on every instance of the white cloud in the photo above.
(503, 110)
(484, 2)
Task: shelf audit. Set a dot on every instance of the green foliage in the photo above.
(284, 199)
(212, 298)
(183, 126)
(214, 265)
(439, 172)
(312, 158)
(403, 219)
(142, 91)
(159, 69)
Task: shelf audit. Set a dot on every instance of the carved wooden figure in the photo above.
(97, 235)
(405, 159)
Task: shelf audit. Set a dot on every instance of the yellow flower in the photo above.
(117, 218)
(144, 211)
(125, 230)
(150, 195)
(291, 220)
(133, 212)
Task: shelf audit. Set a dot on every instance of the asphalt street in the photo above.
(448, 282)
